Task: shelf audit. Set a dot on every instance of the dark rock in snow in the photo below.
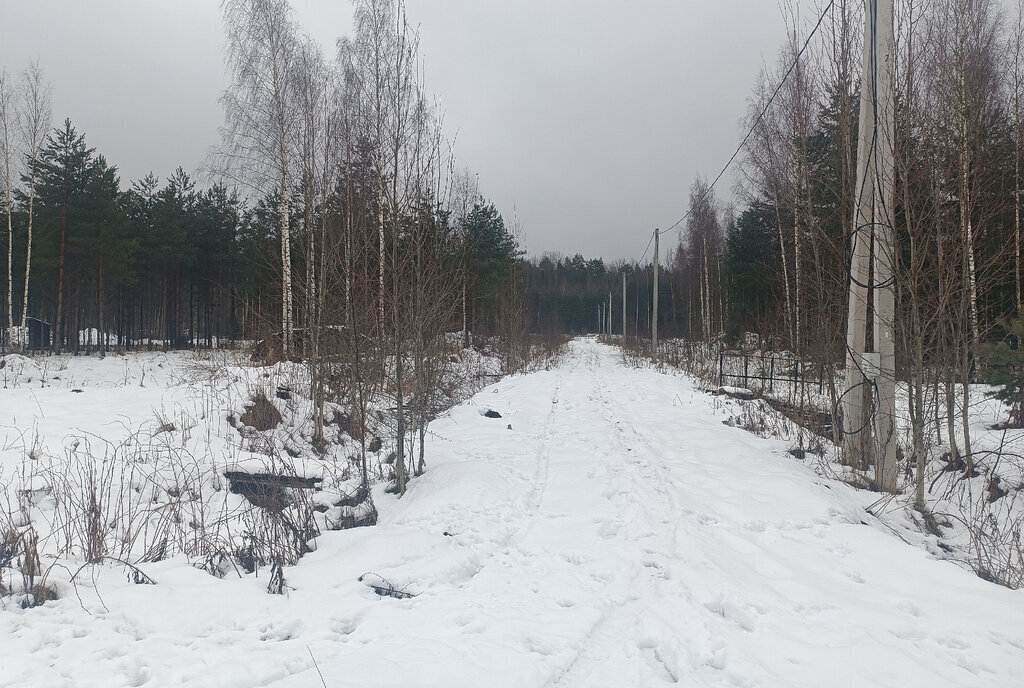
(384, 587)
(262, 414)
(492, 414)
(995, 491)
(360, 516)
(347, 425)
(737, 393)
(267, 490)
(353, 499)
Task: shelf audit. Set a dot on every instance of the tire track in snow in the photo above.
(647, 502)
(540, 479)
(543, 471)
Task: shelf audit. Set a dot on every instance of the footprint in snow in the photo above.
(657, 569)
(910, 608)
(954, 642)
(663, 663)
(539, 646)
(462, 620)
(732, 612)
(343, 628)
(280, 632)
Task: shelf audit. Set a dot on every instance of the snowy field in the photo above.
(608, 530)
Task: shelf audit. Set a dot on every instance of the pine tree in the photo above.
(107, 247)
(63, 177)
(490, 250)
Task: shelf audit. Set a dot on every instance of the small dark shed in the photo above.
(38, 334)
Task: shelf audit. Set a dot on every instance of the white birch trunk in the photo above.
(382, 254)
(12, 336)
(707, 291)
(286, 270)
(785, 267)
(796, 278)
(28, 251)
(1016, 176)
(7, 143)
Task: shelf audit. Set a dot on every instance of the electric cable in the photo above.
(753, 127)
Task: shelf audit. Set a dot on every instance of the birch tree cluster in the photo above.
(385, 247)
(24, 123)
(332, 226)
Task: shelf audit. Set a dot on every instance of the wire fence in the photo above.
(764, 372)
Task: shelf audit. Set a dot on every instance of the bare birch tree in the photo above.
(314, 145)
(260, 116)
(1016, 50)
(33, 123)
(8, 172)
(392, 104)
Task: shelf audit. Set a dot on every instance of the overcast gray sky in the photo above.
(588, 118)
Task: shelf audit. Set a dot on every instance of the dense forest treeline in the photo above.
(169, 264)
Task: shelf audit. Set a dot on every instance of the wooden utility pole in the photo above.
(654, 309)
(871, 374)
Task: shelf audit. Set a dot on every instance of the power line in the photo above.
(796, 61)
(649, 242)
(750, 132)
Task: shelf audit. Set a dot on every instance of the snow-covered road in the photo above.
(608, 530)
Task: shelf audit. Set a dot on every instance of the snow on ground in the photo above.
(607, 530)
(980, 517)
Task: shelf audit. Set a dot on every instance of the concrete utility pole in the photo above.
(609, 313)
(654, 310)
(623, 305)
(872, 374)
